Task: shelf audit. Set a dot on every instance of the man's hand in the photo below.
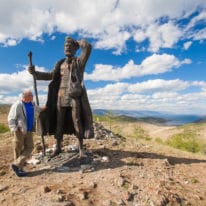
(31, 69)
(17, 130)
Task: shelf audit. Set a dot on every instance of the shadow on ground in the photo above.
(115, 160)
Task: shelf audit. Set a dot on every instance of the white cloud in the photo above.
(163, 36)
(163, 96)
(157, 64)
(139, 35)
(187, 45)
(158, 85)
(11, 42)
(200, 84)
(157, 94)
(191, 29)
(111, 23)
(200, 35)
(196, 19)
(154, 64)
(114, 40)
(11, 84)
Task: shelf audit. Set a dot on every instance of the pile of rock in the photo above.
(100, 132)
(65, 161)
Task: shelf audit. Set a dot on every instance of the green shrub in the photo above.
(187, 140)
(140, 133)
(159, 140)
(3, 128)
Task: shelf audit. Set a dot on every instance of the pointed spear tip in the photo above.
(30, 53)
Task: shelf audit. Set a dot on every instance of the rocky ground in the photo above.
(115, 171)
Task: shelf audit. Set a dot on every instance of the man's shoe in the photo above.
(15, 169)
(18, 172)
(22, 173)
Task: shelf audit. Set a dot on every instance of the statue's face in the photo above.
(69, 48)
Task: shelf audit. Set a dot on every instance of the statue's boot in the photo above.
(58, 149)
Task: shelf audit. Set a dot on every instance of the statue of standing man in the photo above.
(68, 109)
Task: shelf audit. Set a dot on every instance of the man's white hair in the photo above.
(26, 92)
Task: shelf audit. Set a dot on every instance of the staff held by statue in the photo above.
(37, 98)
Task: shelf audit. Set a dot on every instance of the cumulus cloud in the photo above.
(157, 94)
(154, 64)
(159, 85)
(13, 84)
(200, 84)
(163, 95)
(163, 36)
(111, 23)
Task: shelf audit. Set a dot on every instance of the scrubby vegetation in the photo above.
(140, 133)
(3, 128)
(187, 140)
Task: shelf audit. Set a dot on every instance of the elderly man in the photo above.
(68, 109)
(21, 123)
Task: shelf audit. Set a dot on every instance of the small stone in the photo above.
(105, 159)
(114, 143)
(47, 189)
(33, 161)
(120, 182)
(129, 196)
(60, 191)
(93, 185)
(72, 148)
(49, 150)
(61, 198)
(166, 162)
(84, 195)
(2, 172)
(2, 188)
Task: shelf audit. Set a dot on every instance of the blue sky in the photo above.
(147, 55)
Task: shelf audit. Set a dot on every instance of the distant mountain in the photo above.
(131, 113)
(153, 116)
(202, 119)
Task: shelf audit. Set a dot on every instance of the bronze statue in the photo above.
(68, 109)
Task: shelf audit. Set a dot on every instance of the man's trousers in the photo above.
(23, 147)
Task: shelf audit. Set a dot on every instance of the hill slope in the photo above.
(122, 170)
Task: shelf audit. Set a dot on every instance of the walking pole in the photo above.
(37, 100)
